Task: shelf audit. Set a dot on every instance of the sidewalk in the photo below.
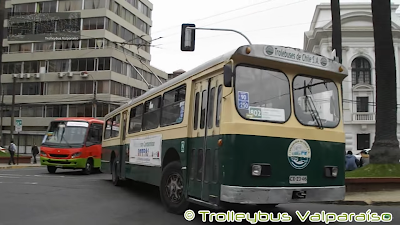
(372, 198)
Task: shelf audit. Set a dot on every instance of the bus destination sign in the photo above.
(294, 55)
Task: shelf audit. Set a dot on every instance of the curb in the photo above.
(367, 202)
(18, 167)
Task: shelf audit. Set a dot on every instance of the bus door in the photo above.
(124, 147)
(203, 145)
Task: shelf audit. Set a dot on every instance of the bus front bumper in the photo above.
(63, 163)
(281, 195)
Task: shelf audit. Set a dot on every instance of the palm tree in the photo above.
(385, 148)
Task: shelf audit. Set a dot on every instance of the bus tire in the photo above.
(172, 189)
(114, 173)
(51, 169)
(88, 167)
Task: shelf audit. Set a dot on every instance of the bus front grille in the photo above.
(58, 155)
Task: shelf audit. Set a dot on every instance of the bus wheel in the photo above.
(114, 173)
(88, 167)
(172, 189)
(51, 169)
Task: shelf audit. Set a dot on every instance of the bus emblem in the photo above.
(299, 154)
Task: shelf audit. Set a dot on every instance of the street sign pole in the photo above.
(18, 129)
(18, 150)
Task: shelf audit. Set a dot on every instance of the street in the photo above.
(32, 196)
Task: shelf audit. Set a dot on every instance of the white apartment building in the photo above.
(358, 56)
(49, 78)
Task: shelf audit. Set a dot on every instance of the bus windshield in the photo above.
(316, 101)
(262, 94)
(66, 133)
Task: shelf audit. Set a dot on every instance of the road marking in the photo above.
(9, 177)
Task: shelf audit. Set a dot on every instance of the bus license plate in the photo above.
(298, 180)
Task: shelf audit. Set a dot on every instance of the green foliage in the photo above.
(375, 170)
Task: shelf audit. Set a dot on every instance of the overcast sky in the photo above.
(276, 22)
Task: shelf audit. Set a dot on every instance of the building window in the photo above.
(66, 45)
(8, 113)
(116, 88)
(103, 86)
(362, 104)
(32, 111)
(31, 67)
(95, 23)
(58, 65)
(142, 25)
(82, 64)
(31, 88)
(24, 9)
(69, 5)
(363, 141)
(103, 63)
(81, 87)
(82, 110)
(95, 4)
(116, 65)
(56, 111)
(44, 46)
(21, 47)
(8, 88)
(101, 109)
(47, 7)
(57, 88)
(12, 68)
(361, 71)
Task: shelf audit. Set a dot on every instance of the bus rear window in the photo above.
(262, 94)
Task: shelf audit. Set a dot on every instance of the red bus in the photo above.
(72, 143)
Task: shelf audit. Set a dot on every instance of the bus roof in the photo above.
(270, 52)
(86, 119)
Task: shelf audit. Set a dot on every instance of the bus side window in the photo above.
(203, 109)
(196, 112)
(135, 120)
(210, 112)
(173, 108)
(151, 116)
(107, 130)
(218, 111)
(115, 126)
(94, 135)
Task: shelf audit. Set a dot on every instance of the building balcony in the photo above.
(364, 117)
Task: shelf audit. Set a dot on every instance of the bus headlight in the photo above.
(42, 153)
(261, 170)
(331, 171)
(76, 154)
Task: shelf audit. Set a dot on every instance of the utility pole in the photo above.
(336, 29)
(94, 110)
(1, 117)
(2, 19)
(12, 108)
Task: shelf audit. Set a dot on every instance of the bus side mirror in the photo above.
(188, 38)
(228, 74)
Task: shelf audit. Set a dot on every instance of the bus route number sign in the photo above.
(298, 180)
(243, 100)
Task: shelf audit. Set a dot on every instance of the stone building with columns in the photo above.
(359, 57)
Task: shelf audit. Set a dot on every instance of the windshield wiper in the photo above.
(62, 137)
(313, 109)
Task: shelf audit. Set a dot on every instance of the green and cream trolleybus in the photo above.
(259, 125)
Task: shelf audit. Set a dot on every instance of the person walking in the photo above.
(11, 149)
(35, 151)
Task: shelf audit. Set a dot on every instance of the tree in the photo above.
(385, 148)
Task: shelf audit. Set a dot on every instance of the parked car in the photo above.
(358, 155)
(2, 149)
